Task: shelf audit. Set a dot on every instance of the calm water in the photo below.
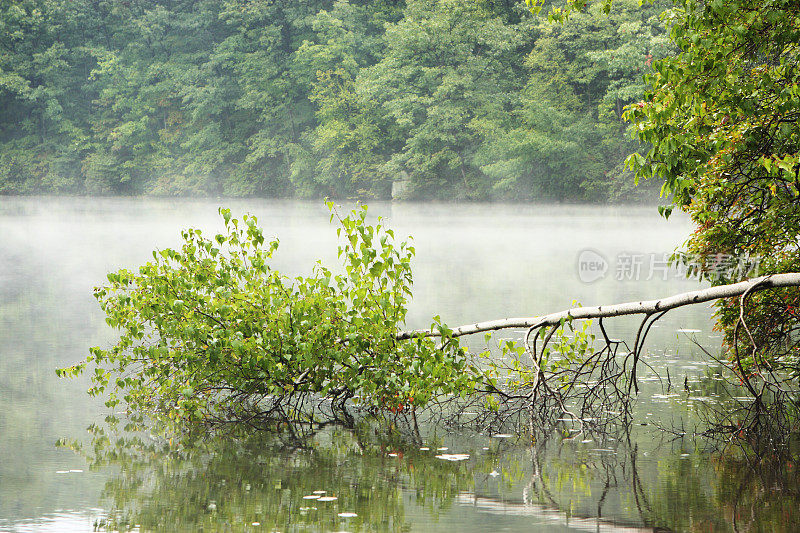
(473, 263)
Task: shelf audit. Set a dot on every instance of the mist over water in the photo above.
(473, 263)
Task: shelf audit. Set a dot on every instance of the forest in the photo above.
(450, 99)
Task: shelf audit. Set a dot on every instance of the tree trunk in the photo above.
(647, 307)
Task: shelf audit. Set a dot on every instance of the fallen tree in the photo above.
(556, 371)
(646, 307)
(212, 333)
(651, 309)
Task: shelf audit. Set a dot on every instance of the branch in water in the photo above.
(647, 307)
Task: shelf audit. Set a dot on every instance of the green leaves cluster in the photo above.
(211, 331)
(566, 133)
(721, 118)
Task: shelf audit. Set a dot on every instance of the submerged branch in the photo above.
(646, 307)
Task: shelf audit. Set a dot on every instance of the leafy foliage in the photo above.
(462, 99)
(565, 136)
(722, 121)
(212, 332)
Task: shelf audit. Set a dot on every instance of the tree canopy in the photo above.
(721, 118)
(474, 99)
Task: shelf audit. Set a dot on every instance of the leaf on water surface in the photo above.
(453, 456)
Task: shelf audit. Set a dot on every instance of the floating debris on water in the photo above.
(494, 473)
(453, 456)
(311, 497)
(502, 436)
(347, 515)
(320, 492)
(688, 330)
(327, 499)
(424, 449)
(664, 396)
(704, 399)
(442, 449)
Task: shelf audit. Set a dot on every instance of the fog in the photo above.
(473, 262)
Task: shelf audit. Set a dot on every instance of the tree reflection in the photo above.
(632, 478)
(757, 447)
(332, 478)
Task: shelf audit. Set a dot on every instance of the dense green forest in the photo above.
(454, 99)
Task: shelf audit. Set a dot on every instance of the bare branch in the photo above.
(646, 307)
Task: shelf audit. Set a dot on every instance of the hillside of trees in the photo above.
(456, 99)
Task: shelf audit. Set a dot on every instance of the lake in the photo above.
(474, 262)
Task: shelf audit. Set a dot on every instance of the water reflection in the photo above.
(331, 479)
(373, 479)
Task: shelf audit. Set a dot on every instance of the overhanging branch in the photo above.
(646, 307)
